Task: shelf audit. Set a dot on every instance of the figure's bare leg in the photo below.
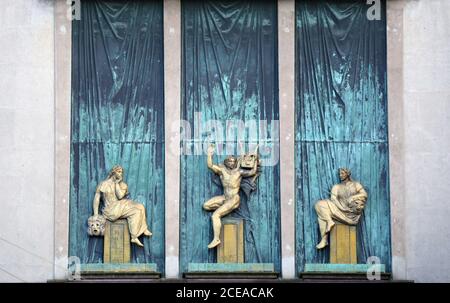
(323, 233)
(214, 203)
(325, 221)
(224, 210)
(330, 225)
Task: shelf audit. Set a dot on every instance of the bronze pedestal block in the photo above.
(117, 245)
(343, 244)
(232, 238)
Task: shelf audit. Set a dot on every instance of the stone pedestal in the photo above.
(343, 244)
(117, 246)
(231, 248)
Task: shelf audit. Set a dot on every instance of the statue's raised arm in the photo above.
(209, 161)
(121, 189)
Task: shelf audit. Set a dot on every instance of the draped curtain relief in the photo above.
(229, 72)
(118, 117)
(341, 120)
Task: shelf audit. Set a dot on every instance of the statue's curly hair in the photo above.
(114, 169)
(231, 157)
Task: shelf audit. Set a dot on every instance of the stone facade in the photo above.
(27, 140)
(35, 127)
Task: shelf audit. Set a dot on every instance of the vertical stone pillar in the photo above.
(396, 122)
(286, 71)
(172, 95)
(63, 70)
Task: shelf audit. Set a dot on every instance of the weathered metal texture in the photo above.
(118, 117)
(341, 120)
(343, 244)
(229, 72)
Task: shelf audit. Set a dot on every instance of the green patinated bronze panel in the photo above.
(229, 72)
(341, 120)
(117, 117)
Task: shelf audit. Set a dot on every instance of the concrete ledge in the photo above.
(341, 268)
(123, 271)
(341, 272)
(231, 271)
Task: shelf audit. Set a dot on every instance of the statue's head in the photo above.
(116, 172)
(96, 225)
(230, 162)
(344, 174)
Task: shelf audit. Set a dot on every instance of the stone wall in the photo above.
(27, 140)
(426, 98)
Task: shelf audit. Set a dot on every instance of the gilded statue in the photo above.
(231, 173)
(114, 191)
(345, 205)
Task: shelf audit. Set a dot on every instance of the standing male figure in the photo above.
(230, 174)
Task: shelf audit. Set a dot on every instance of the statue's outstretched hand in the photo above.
(211, 149)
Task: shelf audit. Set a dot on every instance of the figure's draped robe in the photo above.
(127, 209)
(340, 207)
